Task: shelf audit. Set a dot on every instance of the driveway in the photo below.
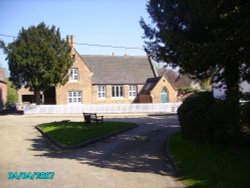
(136, 158)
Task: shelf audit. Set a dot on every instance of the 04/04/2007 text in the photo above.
(31, 175)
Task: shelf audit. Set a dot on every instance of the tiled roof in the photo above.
(149, 85)
(119, 69)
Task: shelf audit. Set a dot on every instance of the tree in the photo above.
(38, 59)
(12, 96)
(204, 38)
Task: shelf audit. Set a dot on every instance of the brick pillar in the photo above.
(2, 76)
(71, 40)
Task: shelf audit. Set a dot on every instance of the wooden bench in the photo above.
(88, 117)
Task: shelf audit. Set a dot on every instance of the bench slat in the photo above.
(88, 117)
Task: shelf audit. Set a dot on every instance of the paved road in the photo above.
(132, 159)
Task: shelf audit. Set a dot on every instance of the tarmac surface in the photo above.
(136, 158)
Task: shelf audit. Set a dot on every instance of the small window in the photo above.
(164, 95)
(132, 92)
(117, 91)
(75, 97)
(101, 91)
(73, 74)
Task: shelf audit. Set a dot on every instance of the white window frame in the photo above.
(101, 91)
(132, 91)
(117, 91)
(75, 97)
(73, 74)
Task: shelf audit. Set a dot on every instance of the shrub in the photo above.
(205, 119)
(245, 114)
(193, 116)
(223, 121)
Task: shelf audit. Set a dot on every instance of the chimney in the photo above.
(71, 40)
(2, 75)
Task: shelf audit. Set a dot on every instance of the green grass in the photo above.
(207, 165)
(73, 133)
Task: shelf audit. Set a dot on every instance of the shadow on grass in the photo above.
(138, 150)
(211, 165)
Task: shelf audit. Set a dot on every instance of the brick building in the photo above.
(3, 89)
(96, 79)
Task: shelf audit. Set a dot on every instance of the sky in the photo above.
(104, 22)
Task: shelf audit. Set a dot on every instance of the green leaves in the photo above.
(12, 96)
(199, 36)
(202, 38)
(39, 58)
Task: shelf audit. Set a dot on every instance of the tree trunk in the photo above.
(232, 80)
(37, 96)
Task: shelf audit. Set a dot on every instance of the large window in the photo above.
(101, 91)
(75, 97)
(117, 91)
(132, 91)
(73, 74)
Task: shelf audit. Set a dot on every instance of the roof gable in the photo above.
(119, 69)
(152, 83)
(163, 78)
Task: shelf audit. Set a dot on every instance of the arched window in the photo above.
(164, 95)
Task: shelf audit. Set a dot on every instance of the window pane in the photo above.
(73, 74)
(75, 96)
(113, 91)
(132, 90)
(101, 91)
(117, 91)
(121, 91)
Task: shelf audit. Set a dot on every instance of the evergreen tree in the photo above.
(204, 38)
(38, 59)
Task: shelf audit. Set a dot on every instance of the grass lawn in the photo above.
(73, 133)
(210, 165)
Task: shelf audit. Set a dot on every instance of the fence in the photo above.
(102, 108)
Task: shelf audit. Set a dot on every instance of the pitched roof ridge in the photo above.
(118, 69)
(125, 56)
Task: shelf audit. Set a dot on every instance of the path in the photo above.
(132, 159)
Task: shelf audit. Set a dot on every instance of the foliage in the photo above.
(193, 117)
(204, 38)
(222, 120)
(73, 133)
(209, 165)
(206, 120)
(245, 96)
(201, 37)
(188, 90)
(245, 114)
(206, 84)
(12, 96)
(38, 58)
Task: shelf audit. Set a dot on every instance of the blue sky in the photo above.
(112, 22)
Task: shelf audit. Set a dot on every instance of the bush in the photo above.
(223, 122)
(206, 120)
(193, 116)
(245, 114)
